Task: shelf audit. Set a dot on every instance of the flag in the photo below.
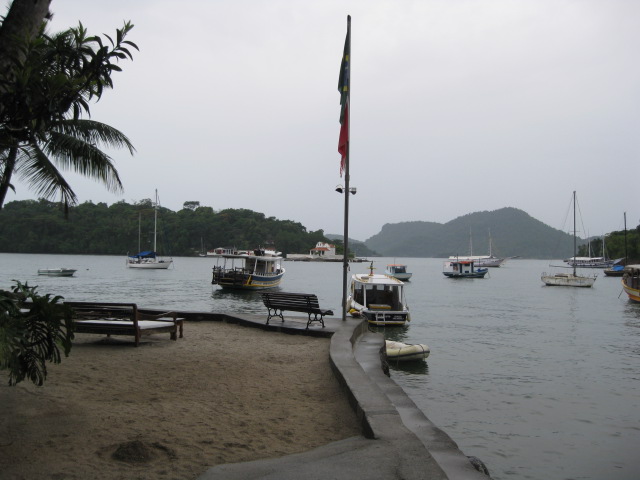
(343, 88)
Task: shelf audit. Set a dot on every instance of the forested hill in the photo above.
(514, 233)
(31, 226)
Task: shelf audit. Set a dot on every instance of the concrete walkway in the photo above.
(398, 441)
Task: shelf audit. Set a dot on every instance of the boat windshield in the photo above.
(387, 295)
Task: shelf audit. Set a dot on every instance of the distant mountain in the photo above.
(356, 246)
(514, 233)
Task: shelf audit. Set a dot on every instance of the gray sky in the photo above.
(457, 106)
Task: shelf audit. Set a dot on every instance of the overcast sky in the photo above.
(458, 106)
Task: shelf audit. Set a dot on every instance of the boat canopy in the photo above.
(146, 254)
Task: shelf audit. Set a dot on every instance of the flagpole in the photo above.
(347, 191)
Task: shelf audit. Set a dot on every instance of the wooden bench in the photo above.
(294, 302)
(123, 319)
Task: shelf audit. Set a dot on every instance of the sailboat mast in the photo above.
(139, 232)
(574, 234)
(625, 239)
(155, 223)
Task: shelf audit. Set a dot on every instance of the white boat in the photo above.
(593, 262)
(57, 272)
(463, 269)
(631, 282)
(403, 352)
(378, 298)
(481, 261)
(149, 259)
(569, 279)
(247, 269)
(399, 271)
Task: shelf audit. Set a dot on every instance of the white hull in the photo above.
(402, 352)
(159, 265)
(567, 280)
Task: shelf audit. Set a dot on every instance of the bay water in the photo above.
(539, 382)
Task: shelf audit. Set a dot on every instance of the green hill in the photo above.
(514, 234)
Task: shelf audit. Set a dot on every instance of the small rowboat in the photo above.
(403, 352)
(57, 272)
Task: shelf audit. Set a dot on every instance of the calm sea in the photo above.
(539, 382)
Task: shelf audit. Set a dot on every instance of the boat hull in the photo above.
(476, 274)
(160, 265)
(567, 280)
(249, 282)
(631, 282)
(402, 352)
(57, 272)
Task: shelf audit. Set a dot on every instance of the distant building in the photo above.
(323, 250)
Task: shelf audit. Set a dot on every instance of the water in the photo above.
(539, 382)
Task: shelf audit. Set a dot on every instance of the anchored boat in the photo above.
(57, 272)
(248, 269)
(631, 282)
(463, 269)
(378, 298)
(398, 271)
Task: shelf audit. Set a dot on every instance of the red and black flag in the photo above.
(343, 88)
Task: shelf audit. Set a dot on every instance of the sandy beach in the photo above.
(169, 410)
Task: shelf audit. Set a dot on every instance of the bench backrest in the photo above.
(98, 311)
(300, 300)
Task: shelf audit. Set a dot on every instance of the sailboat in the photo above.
(149, 259)
(481, 261)
(569, 279)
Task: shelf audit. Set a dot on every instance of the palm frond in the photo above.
(39, 172)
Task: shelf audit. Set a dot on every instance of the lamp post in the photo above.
(345, 259)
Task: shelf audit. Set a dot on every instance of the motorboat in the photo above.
(571, 279)
(149, 259)
(398, 271)
(631, 282)
(57, 272)
(403, 352)
(463, 269)
(247, 269)
(379, 298)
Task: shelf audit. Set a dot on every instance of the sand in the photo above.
(169, 410)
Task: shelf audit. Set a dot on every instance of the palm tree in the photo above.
(41, 129)
(69, 144)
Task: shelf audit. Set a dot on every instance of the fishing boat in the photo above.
(398, 271)
(247, 269)
(403, 352)
(149, 259)
(378, 298)
(631, 282)
(569, 279)
(57, 272)
(481, 261)
(463, 269)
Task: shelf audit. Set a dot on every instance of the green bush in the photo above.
(33, 330)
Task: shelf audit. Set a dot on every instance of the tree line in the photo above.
(619, 244)
(40, 226)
